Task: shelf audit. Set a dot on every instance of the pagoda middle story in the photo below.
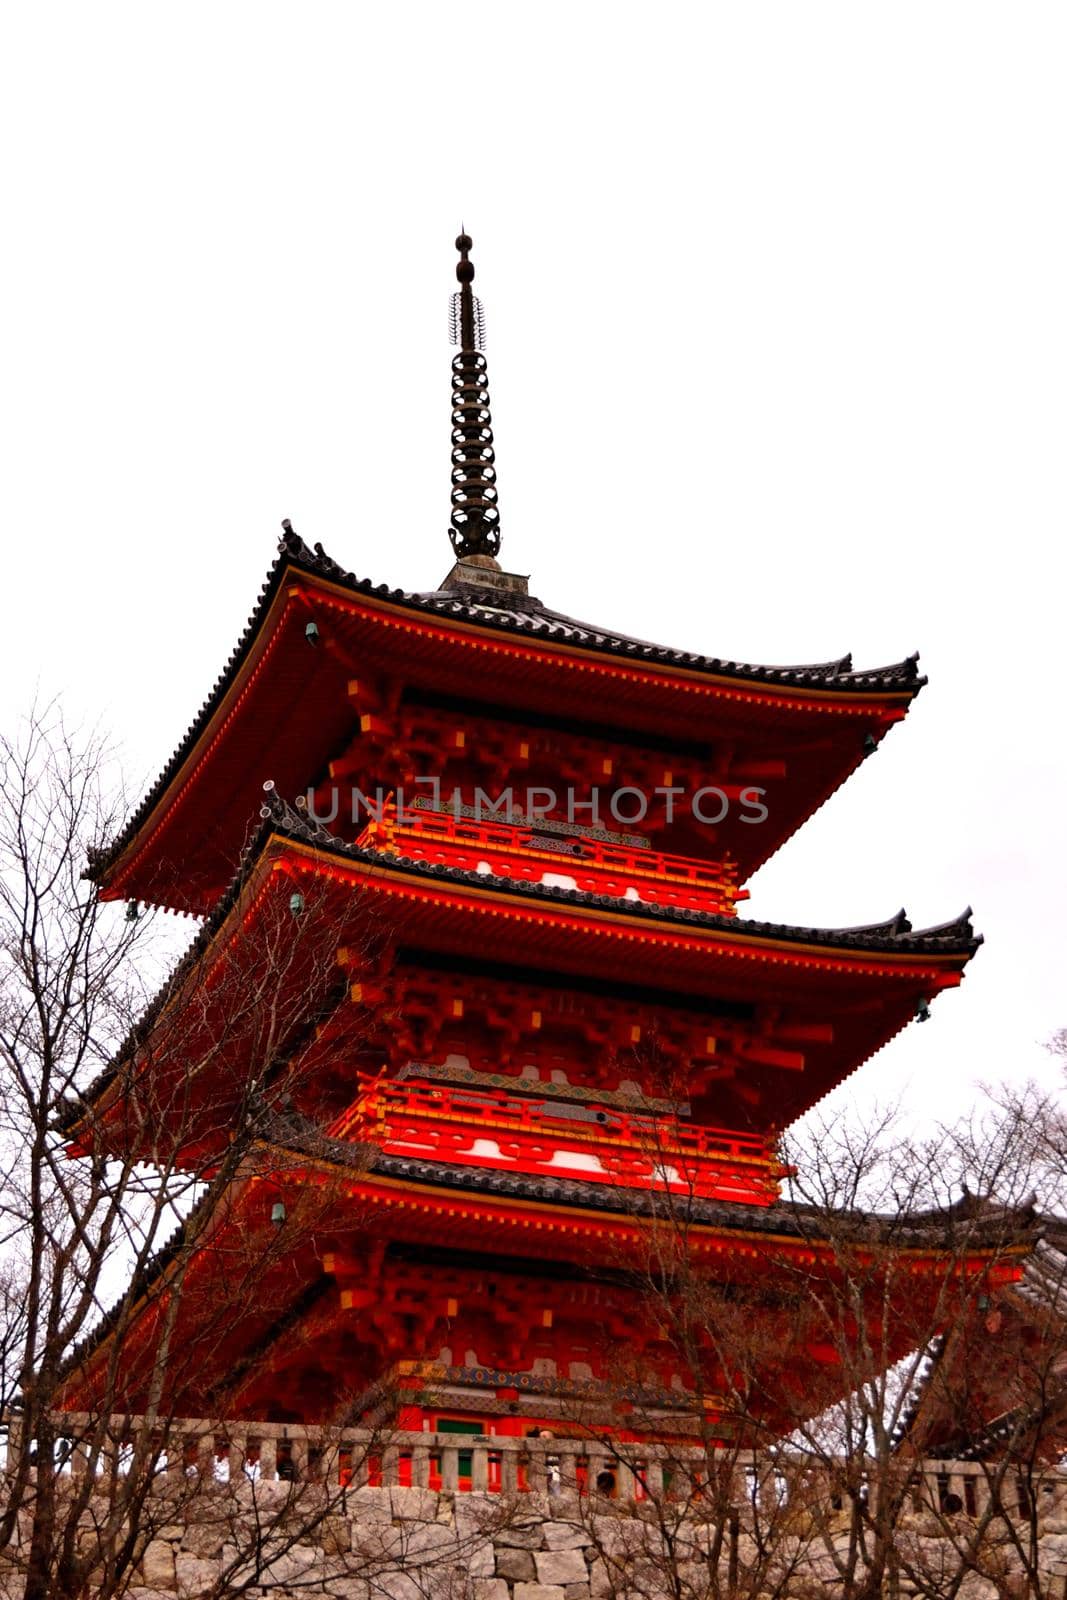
(517, 1033)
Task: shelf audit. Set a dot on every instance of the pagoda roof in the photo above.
(714, 948)
(1038, 1304)
(879, 695)
(893, 936)
(784, 1219)
(527, 615)
(489, 1210)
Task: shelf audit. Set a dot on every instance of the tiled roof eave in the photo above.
(894, 936)
(922, 1232)
(1002, 1229)
(530, 620)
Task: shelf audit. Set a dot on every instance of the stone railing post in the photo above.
(929, 1488)
(329, 1463)
(420, 1466)
(115, 1445)
(480, 1465)
(567, 1455)
(176, 1443)
(739, 1496)
(449, 1466)
(957, 1485)
(82, 1459)
(14, 1440)
(767, 1491)
(236, 1455)
(1009, 1494)
(600, 1469)
(268, 1458)
(79, 1457)
(509, 1465)
(872, 1485)
(980, 1488)
(536, 1469)
(298, 1457)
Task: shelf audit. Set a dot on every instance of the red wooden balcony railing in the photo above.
(579, 861)
(469, 1127)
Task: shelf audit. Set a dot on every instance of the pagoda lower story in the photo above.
(485, 1189)
(397, 1294)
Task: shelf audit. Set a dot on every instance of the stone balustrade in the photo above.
(355, 1515)
(469, 1463)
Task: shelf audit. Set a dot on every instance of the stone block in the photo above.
(491, 1589)
(425, 1546)
(478, 1560)
(577, 1591)
(289, 1566)
(521, 1536)
(333, 1535)
(473, 1521)
(538, 1591)
(157, 1565)
(88, 1547)
(426, 1540)
(413, 1505)
(379, 1541)
(205, 1539)
(195, 1575)
(399, 1586)
(975, 1587)
(565, 1536)
(369, 1505)
(618, 1536)
(688, 1575)
(561, 1567)
(603, 1580)
(516, 1565)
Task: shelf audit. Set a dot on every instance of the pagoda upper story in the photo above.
(543, 797)
(339, 686)
(474, 725)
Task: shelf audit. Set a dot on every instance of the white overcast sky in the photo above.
(777, 344)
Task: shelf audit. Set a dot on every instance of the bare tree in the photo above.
(800, 1460)
(140, 1147)
(994, 1392)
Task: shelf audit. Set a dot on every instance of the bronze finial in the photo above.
(475, 529)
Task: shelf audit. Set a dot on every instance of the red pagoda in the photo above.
(515, 844)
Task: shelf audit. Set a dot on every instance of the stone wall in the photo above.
(416, 1544)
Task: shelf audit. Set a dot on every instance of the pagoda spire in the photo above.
(475, 530)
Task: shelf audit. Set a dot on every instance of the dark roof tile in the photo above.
(896, 933)
(487, 608)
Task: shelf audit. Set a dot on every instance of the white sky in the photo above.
(777, 342)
